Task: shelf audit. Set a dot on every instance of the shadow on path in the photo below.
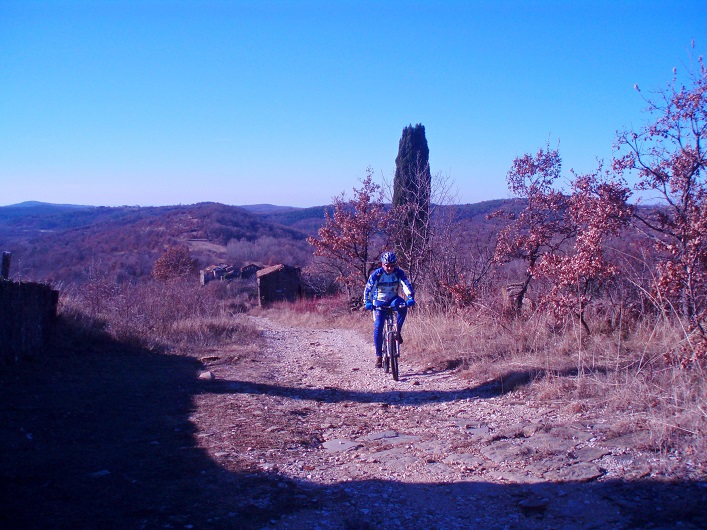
(497, 387)
(97, 435)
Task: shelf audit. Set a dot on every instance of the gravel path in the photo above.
(355, 449)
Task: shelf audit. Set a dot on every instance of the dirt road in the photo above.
(432, 450)
(303, 432)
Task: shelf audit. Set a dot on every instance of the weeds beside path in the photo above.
(303, 432)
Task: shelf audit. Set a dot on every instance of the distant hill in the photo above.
(307, 220)
(33, 209)
(59, 242)
(479, 210)
(267, 208)
(206, 220)
(66, 242)
(48, 205)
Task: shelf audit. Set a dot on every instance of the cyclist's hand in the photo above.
(410, 302)
(369, 306)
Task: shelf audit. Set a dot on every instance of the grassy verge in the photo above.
(625, 373)
(176, 316)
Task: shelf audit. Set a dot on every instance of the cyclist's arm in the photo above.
(406, 285)
(371, 287)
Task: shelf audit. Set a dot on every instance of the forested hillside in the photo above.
(61, 242)
(51, 242)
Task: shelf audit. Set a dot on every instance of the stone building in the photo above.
(278, 283)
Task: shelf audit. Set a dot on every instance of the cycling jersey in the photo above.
(382, 287)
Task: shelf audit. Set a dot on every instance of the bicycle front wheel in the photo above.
(391, 346)
(394, 355)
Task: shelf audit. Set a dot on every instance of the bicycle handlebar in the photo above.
(391, 307)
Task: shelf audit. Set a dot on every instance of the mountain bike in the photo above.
(391, 346)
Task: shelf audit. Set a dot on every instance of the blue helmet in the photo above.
(388, 257)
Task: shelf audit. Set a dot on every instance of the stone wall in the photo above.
(27, 314)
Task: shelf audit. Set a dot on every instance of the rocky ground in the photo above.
(428, 451)
(305, 433)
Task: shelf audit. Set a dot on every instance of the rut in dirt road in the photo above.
(432, 450)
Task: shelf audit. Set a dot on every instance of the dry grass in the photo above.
(617, 372)
(176, 315)
(320, 313)
(213, 331)
(628, 374)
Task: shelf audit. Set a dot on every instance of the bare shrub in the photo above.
(156, 314)
(269, 250)
(176, 262)
(320, 278)
(238, 295)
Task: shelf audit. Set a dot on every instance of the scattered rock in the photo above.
(582, 472)
(377, 436)
(466, 460)
(534, 504)
(503, 451)
(337, 446)
(587, 454)
(548, 443)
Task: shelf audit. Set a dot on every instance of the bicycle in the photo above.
(391, 346)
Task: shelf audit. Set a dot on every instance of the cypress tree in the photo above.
(411, 197)
(412, 169)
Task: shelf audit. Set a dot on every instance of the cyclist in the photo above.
(382, 291)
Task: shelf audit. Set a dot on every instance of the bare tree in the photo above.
(347, 241)
(540, 227)
(425, 247)
(668, 155)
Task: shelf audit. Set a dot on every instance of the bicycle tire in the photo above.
(386, 347)
(394, 353)
(390, 346)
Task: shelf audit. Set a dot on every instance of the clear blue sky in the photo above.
(288, 102)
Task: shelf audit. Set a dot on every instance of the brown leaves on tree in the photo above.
(347, 241)
(540, 228)
(561, 236)
(597, 209)
(668, 156)
(175, 263)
